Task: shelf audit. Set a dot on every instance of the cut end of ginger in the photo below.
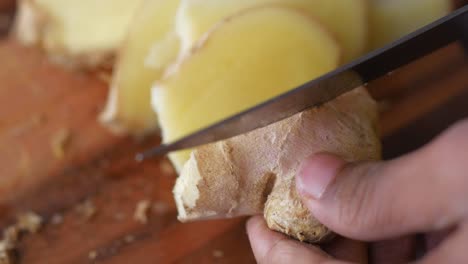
(242, 61)
(254, 173)
(85, 33)
(151, 45)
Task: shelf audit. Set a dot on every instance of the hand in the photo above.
(424, 191)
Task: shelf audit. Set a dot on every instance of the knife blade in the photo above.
(329, 86)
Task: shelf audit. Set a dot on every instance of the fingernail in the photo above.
(316, 173)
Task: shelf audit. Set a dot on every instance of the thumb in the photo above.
(419, 192)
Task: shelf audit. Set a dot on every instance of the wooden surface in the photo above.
(39, 101)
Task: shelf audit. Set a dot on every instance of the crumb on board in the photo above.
(8, 244)
(218, 253)
(129, 239)
(59, 142)
(119, 216)
(160, 208)
(29, 221)
(56, 219)
(86, 209)
(11, 235)
(92, 255)
(6, 255)
(104, 76)
(38, 119)
(141, 211)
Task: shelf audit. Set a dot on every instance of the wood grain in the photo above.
(99, 167)
(7, 5)
(37, 101)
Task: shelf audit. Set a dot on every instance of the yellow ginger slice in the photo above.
(392, 19)
(346, 19)
(254, 173)
(151, 46)
(79, 33)
(244, 60)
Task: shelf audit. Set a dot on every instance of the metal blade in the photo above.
(329, 86)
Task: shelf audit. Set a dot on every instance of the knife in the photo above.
(376, 64)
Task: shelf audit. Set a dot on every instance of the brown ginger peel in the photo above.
(254, 173)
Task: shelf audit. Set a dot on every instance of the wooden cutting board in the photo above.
(58, 161)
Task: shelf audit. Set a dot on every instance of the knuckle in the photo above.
(281, 252)
(290, 251)
(357, 207)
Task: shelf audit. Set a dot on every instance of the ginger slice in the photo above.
(392, 19)
(244, 60)
(77, 33)
(151, 46)
(254, 173)
(346, 19)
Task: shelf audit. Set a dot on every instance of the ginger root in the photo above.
(76, 33)
(254, 173)
(151, 45)
(244, 60)
(346, 19)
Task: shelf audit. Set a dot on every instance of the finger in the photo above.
(347, 250)
(434, 239)
(422, 191)
(272, 247)
(394, 251)
(452, 249)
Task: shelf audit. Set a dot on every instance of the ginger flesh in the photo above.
(346, 19)
(392, 19)
(151, 46)
(254, 173)
(244, 60)
(166, 31)
(77, 33)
